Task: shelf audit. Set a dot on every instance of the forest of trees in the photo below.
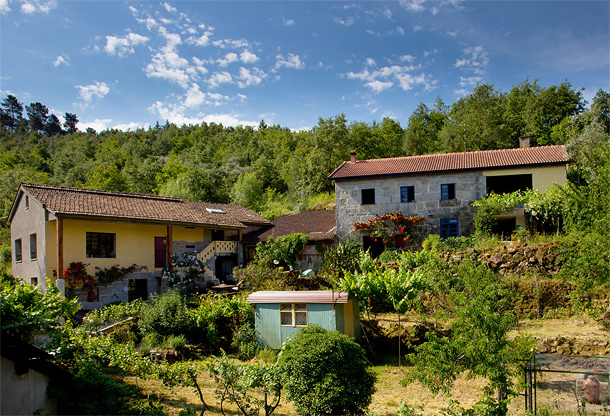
(272, 169)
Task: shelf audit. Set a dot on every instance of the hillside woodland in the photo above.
(466, 297)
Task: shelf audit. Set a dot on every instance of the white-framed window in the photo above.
(18, 253)
(293, 314)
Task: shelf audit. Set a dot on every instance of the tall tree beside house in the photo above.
(331, 139)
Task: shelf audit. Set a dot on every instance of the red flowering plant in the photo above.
(76, 277)
(386, 227)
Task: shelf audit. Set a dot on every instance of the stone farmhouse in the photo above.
(53, 226)
(442, 187)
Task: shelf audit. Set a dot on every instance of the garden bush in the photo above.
(166, 314)
(325, 372)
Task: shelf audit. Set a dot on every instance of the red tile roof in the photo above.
(318, 225)
(448, 162)
(302, 296)
(147, 208)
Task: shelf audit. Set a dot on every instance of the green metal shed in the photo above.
(279, 314)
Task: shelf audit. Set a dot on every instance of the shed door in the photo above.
(160, 252)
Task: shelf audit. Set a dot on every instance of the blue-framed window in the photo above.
(450, 227)
(447, 191)
(407, 193)
(368, 196)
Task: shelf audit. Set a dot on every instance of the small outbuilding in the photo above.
(279, 314)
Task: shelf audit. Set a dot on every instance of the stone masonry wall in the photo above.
(469, 187)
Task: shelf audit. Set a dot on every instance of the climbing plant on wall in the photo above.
(384, 228)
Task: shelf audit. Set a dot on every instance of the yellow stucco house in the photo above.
(53, 226)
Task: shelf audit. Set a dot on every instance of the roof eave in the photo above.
(435, 172)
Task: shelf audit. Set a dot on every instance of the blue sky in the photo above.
(127, 64)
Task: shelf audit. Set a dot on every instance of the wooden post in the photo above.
(170, 246)
(241, 234)
(59, 243)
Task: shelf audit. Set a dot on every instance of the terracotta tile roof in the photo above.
(302, 296)
(448, 162)
(148, 208)
(318, 225)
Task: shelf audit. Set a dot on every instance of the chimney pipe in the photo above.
(524, 142)
(353, 155)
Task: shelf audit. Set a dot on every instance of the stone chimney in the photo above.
(524, 142)
(353, 155)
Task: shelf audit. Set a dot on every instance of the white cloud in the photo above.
(97, 125)
(248, 57)
(413, 5)
(61, 60)
(38, 6)
(370, 62)
(95, 91)
(230, 43)
(229, 120)
(384, 78)
(195, 98)
(149, 22)
(475, 59)
(470, 81)
(293, 61)
(250, 77)
(219, 78)
(169, 66)
(416, 28)
(203, 40)
(199, 65)
(345, 22)
(379, 86)
(387, 13)
(4, 7)
(434, 11)
(229, 58)
(407, 58)
(123, 46)
(288, 22)
(400, 30)
(169, 8)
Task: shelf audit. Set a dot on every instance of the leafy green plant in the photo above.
(251, 387)
(325, 372)
(245, 340)
(342, 256)
(26, 312)
(176, 342)
(257, 276)
(219, 318)
(166, 314)
(280, 252)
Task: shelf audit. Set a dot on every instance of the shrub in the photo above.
(325, 372)
(175, 342)
(166, 314)
(245, 340)
(218, 318)
(342, 256)
(282, 251)
(260, 277)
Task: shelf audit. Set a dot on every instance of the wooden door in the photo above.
(160, 252)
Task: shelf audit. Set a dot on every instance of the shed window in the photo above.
(293, 314)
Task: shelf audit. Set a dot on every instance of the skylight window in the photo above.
(215, 210)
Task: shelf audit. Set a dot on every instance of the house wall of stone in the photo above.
(469, 187)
